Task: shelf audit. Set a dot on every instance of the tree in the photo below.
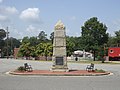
(2, 34)
(72, 44)
(25, 39)
(69, 45)
(33, 41)
(42, 36)
(12, 43)
(39, 49)
(111, 41)
(94, 34)
(32, 51)
(44, 49)
(25, 50)
(15, 43)
(2, 42)
(114, 41)
(117, 36)
(32, 46)
(47, 49)
(52, 36)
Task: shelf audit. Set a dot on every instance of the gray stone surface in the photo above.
(59, 48)
(59, 42)
(59, 51)
(11, 82)
(60, 33)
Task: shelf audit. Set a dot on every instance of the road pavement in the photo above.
(13, 82)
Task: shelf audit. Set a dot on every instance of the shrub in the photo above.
(103, 60)
(98, 58)
(99, 71)
(21, 68)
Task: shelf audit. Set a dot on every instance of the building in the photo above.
(16, 52)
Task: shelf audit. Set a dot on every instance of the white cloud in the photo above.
(30, 28)
(16, 33)
(4, 19)
(11, 10)
(8, 10)
(77, 34)
(116, 24)
(30, 15)
(32, 31)
(67, 31)
(113, 26)
(0, 26)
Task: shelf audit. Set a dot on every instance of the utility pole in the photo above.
(7, 42)
(0, 53)
(11, 47)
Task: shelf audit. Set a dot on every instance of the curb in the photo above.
(59, 74)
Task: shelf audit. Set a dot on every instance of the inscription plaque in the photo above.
(59, 61)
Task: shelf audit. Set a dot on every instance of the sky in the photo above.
(30, 17)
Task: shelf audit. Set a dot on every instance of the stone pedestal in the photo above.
(59, 48)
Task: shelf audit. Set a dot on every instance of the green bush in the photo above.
(98, 58)
(21, 68)
(103, 60)
(99, 71)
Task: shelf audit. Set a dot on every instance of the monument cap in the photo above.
(59, 25)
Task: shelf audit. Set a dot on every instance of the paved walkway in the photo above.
(59, 73)
(36, 82)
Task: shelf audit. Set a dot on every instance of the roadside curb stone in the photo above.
(50, 73)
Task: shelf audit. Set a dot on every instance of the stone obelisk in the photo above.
(59, 48)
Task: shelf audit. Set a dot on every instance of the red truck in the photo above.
(114, 53)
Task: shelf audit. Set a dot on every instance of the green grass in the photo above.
(21, 69)
(84, 61)
(95, 62)
(99, 71)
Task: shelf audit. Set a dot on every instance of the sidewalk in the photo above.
(56, 73)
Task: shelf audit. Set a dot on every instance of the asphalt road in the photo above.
(12, 82)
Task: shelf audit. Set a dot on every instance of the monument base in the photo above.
(59, 68)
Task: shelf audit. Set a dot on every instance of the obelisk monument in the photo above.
(59, 48)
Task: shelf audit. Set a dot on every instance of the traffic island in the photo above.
(60, 73)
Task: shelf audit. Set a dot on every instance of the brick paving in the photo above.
(59, 73)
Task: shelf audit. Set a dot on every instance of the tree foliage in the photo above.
(117, 37)
(42, 36)
(114, 41)
(52, 36)
(25, 49)
(35, 47)
(12, 43)
(94, 34)
(47, 49)
(70, 46)
(2, 34)
(25, 39)
(93, 37)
